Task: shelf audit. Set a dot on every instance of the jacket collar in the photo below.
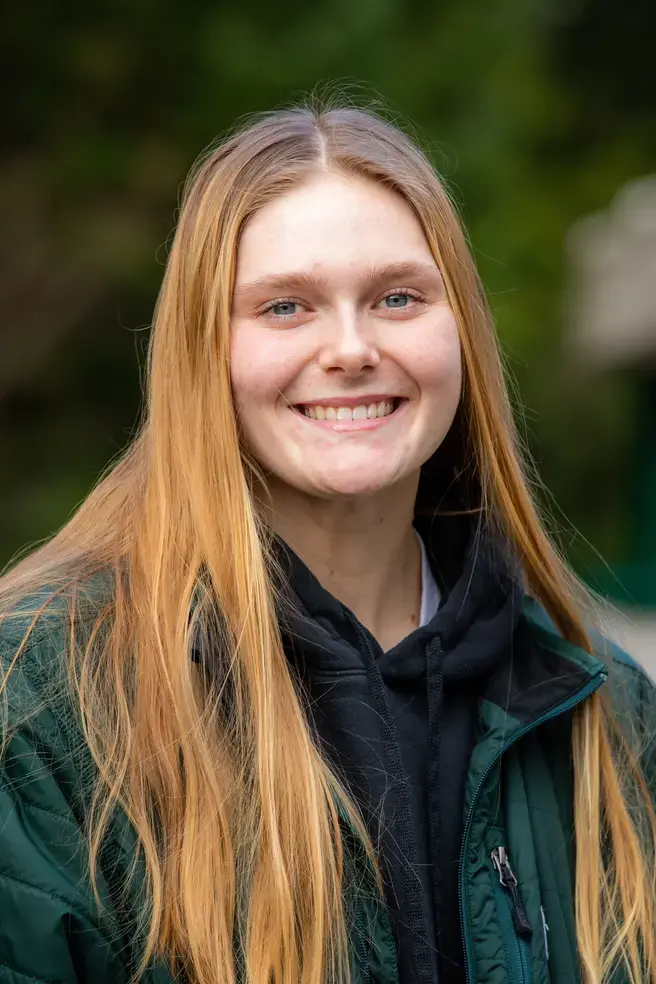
(545, 676)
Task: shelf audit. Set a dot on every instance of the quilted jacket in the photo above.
(516, 865)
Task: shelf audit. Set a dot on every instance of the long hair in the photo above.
(232, 802)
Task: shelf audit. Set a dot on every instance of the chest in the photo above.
(523, 806)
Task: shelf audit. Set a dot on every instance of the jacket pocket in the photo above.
(515, 927)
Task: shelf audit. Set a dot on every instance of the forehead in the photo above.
(331, 223)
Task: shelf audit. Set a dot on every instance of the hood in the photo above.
(481, 596)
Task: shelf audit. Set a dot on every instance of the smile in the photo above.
(361, 416)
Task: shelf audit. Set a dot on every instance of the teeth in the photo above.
(364, 412)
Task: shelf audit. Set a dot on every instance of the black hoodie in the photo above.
(399, 726)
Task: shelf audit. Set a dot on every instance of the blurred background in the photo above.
(541, 116)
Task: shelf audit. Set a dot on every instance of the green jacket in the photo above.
(519, 797)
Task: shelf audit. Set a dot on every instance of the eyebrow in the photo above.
(301, 279)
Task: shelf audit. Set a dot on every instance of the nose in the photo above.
(350, 346)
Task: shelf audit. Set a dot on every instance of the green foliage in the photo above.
(113, 101)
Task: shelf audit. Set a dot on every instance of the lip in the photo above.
(347, 426)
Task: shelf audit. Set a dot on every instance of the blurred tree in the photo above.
(112, 102)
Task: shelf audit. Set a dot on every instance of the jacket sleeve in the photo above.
(51, 927)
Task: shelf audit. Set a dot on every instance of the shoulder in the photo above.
(630, 690)
(33, 634)
(39, 709)
(49, 620)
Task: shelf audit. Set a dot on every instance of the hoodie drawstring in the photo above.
(416, 913)
(435, 691)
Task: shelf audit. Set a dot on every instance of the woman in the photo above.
(303, 692)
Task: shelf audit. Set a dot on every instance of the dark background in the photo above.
(535, 111)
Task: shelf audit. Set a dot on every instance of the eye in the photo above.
(399, 300)
(284, 308)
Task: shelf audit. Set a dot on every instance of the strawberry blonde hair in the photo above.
(218, 773)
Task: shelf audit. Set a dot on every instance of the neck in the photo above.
(362, 550)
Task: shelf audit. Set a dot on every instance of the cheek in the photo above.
(260, 368)
(437, 363)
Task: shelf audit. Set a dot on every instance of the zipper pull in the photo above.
(509, 883)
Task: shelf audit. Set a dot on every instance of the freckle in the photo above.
(413, 618)
(332, 573)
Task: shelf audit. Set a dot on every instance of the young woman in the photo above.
(303, 692)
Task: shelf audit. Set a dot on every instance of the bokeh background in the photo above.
(541, 116)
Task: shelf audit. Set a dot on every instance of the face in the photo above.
(345, 358)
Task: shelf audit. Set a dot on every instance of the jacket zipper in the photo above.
(567, 705)
(515, 925)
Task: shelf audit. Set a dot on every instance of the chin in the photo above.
(360, 483)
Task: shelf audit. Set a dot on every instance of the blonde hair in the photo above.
(218, 772)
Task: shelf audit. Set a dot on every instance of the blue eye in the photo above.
(283, 309)
(400, 300)
(397, 300)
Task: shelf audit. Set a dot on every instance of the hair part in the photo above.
(218, 772)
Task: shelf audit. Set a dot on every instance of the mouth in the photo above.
(365, 411)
